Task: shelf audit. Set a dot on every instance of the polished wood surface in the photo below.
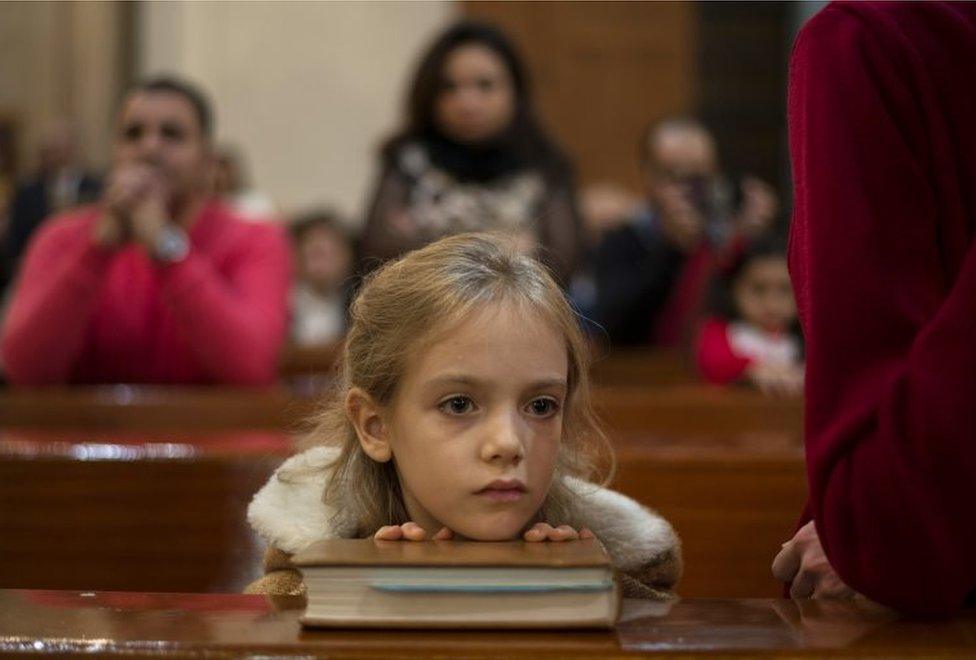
(733, 499)
(688, 411)
(642, 368)
(603, 71)
(216, 625)
(304, 360)
(165, 510)
(132, 511)
(153, 408)
(145, 488)
(635, 367)
(670, 411)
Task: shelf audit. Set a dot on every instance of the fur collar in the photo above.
(289, 514)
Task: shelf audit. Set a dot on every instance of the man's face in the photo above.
(160, 129)
(683, 158)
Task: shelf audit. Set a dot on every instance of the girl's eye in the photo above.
(544, 407)
(457, 405)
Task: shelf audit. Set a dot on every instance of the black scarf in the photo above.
(480, 163)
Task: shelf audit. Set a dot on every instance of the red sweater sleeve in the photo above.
(235, 322)
(56, 295)
(716, 361)
(885, 276)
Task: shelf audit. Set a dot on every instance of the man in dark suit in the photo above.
(60, 183)
(651, 271)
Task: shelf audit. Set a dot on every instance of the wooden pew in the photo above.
(165, 510)
(629, 367)
(695, 410)
(680, 410)
(725, 466)
(642, 368)
(153, 408)
(59, 623)
(732, 499)
(130, 511)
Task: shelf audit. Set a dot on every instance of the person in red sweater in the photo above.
(158, 282)
(754, 336)
(881, 114)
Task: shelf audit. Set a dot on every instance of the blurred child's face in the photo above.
(477, 99)
(476, 424)
(763, 294)
(325, 259)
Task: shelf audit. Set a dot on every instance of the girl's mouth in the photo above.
(503, 490)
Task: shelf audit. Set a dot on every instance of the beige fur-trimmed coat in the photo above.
(290, 514)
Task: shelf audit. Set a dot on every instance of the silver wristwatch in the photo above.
(172, 245)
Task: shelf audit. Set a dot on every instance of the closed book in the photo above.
(365, 583)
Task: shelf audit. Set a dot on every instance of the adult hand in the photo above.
(127, 185)
(606, 207)
(759, 207)
(775, 379)
(681, 222)
(802, 561)
(540, 532)
(149, 216)
(410, 531)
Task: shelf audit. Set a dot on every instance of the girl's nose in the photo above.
(503, 442)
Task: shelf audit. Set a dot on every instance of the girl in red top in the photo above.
(754, 335)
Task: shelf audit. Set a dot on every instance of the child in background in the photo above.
(755, 336)
(462, 411)
(320, 296)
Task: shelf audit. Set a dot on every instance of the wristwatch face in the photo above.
(172, 245)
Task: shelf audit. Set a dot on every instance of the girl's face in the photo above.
(476, 424)
(325, 260)
(477, 97)
(763, 294)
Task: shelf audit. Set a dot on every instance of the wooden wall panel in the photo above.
(602, 71)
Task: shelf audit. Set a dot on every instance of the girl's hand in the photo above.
(777, 380)
(410, 531)
(540, 532)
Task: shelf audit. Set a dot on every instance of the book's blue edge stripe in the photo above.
(490, 588)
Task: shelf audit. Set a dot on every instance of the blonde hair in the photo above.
(395, 312)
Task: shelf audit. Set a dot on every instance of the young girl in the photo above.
(755, 336)
(463, 410)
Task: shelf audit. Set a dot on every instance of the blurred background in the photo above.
(307, 90)
(99, 478)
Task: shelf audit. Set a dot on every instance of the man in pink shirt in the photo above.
(158, 282)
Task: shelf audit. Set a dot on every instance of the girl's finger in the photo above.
(388, 533)
(444, 534)
(538, 532)
(413, 532)
(586, 534)
(565, 533)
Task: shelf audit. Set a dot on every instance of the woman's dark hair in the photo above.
(721, 300)
(524, 135)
